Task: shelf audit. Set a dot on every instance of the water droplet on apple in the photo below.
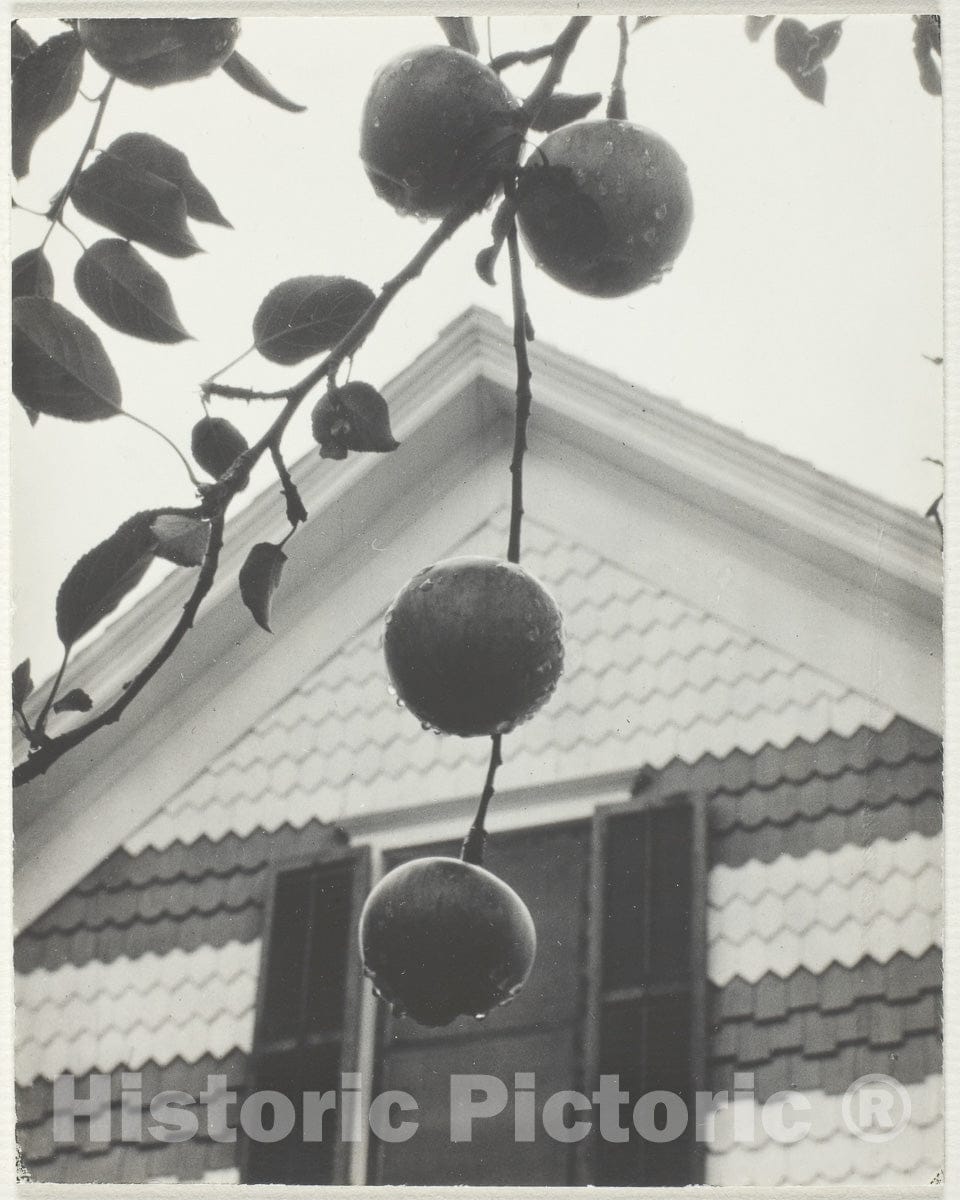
(426, 726)
(481, 1016)
(400, 703)
(391, 690)
(649, 236)
(407, 64)
(660, 212)
(608, 147)
(426, 585)
(649, 172)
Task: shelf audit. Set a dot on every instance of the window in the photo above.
(306, 1009)
(648, 980)
(617, 989)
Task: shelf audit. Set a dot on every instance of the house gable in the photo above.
(693, 510)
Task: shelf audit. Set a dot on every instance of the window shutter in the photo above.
(308, 992)
(647, 1019)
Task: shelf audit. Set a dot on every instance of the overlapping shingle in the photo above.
(843, 906)
(830, 1153)
(155, 1008)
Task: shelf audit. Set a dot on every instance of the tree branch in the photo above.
(60, 203)
(563, 47)
(43, 758)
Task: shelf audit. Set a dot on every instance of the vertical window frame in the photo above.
(651, 799)
(359, 858)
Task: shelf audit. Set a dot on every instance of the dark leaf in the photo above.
(99, 580)
(181, 538)
(561, 108)
(154, 156)
(22, 46)
(119, 285)
(756, 26)
(44, 87)
(259, 579)
(59, 364)
(485, 262)
(32, 275)
(307, 315)
(460, 33)
(828, 38)
(353, 417)
(216, 443)
(797, 51)
(76, 700)
(22, 683)
(135, 204)
(251, 80)
(926, 43)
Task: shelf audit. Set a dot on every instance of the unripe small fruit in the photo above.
(441, 938)
(438, 128)
(154, 51)
(474, 646)
(216, 444)
(605, 206)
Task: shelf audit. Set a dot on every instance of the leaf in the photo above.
(259, 579)
(59, 364)
(75, 700)
(120, 286)
(937, 360)
(154, 156)
(181, 539)
(99, 580)
(353, 417)
(32, 275)
(756, 25)
(800, 53)
(561, 108)
(22, 683)
(460, 33)
(44, 87)
(135, 204)
(244, 73)
(307, 315)
(926, 42)
(22, 46)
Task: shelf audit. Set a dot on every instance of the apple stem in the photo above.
(617, 104)
(473, 843)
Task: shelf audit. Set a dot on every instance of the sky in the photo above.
(799, 312)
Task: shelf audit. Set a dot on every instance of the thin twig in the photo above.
(43, 758)
(473, 843)
(41, 722)
(524, 395)
(511, 57)
(563, 47)
(56, 210)
(296, 512)
(160, 434)
(617, 104)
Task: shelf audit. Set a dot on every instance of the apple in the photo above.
(605, 206)
(440, 938)
(438, 128)
(474, 646)
(154, 51)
